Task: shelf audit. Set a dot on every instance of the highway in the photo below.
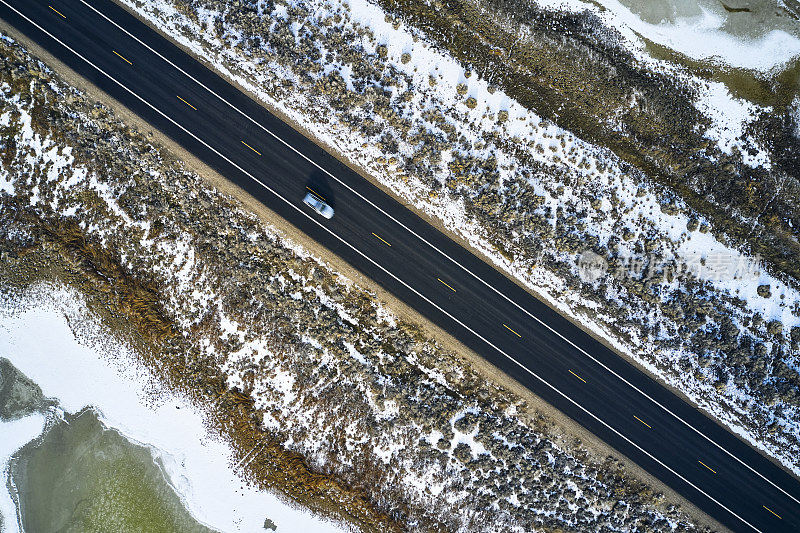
(424, 268)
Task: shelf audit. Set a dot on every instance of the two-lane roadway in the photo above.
(426, 269)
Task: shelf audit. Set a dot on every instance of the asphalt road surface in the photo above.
(446, 283)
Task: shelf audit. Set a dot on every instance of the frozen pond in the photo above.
(85, 477)
(751, 34)
(745, 19)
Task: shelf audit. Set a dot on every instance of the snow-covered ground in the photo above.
(85, 367)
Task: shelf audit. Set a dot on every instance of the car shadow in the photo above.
(318, 184)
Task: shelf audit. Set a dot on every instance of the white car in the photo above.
(318, 205)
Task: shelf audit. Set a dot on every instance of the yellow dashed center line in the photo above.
(187, 103)
(773, 512)
(705, 465)
(446, 285)
(642, 421)
(384, 242)
(122, 58)
(577, 376)
(57, 11)
(316, 193)
(512, 331)
(253, 149)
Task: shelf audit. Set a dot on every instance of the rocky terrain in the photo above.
(680, 190)
(325, 396)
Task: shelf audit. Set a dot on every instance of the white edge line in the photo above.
(515, 304)
(381, 267)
